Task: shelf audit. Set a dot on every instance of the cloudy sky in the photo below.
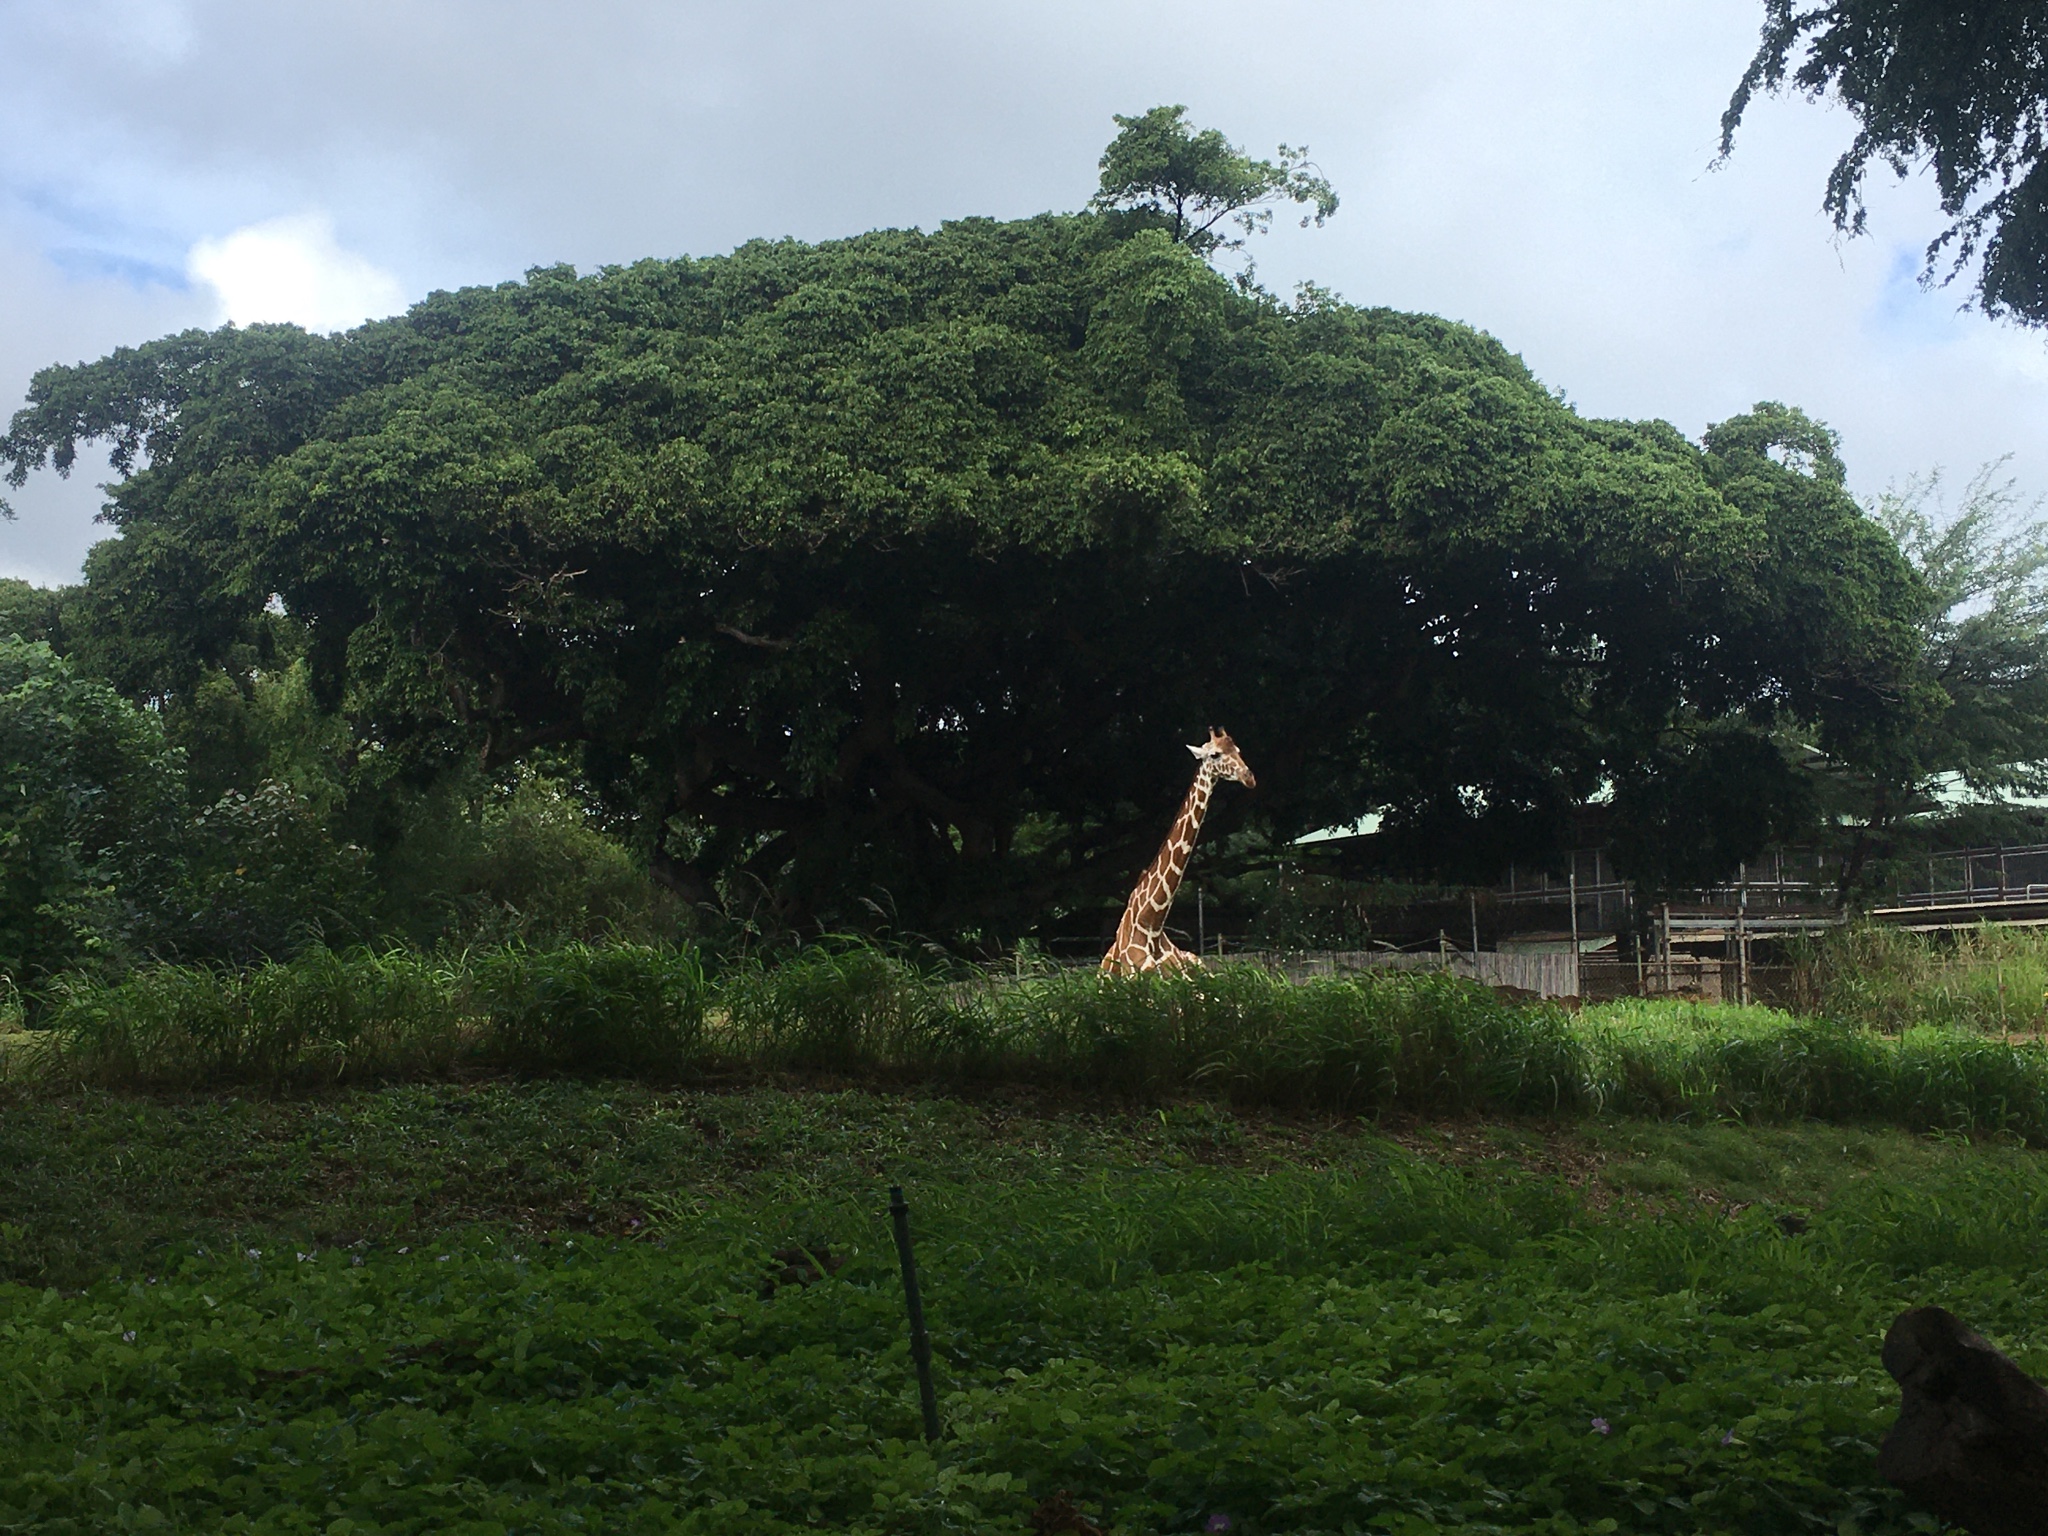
(1538, 168)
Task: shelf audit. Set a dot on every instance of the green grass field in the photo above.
(539, 1306)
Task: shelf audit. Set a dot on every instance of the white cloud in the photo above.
(152, 32)
(293, 269)
(146, 33)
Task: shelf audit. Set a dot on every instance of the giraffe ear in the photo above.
(1199, 751)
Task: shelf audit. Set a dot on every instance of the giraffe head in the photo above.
(1220, 756)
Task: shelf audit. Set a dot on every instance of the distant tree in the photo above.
(1978, 722)
(1959, 87)
(1192, 181)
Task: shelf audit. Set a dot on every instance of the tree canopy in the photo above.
(1962, 88)
(891, 573)
(1198, 186)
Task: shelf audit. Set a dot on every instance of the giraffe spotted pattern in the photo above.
(1141, 941)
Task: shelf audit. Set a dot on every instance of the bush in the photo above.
(529, 867)
(266, 881)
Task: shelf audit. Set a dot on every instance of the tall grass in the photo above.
(1417, 1041)
(1239, 1032)
(850, 1008)
(325, 1017)
(627, 1009)
(320, 1018)
(1705, 1062)
(1422, 1043)
(1990, 979)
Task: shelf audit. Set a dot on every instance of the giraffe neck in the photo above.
(1162, 881)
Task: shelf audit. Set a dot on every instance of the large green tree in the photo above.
(1961, 88)
(892, 573)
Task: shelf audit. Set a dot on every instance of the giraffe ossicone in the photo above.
(1141, 941)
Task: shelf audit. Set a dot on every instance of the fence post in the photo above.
(1742, 941)
(1578, 986)
(1667, 948)
(1635, 929)
(920, 1342)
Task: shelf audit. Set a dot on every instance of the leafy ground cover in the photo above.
(540, 1307)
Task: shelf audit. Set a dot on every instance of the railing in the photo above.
(1982, 876)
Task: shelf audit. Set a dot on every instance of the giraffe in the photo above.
(1141, 941)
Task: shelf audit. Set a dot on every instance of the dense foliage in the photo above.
(89, 796)
(1959, 88)
(895, 570)
(230, 824)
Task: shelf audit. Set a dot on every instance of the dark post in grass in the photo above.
(920, 1342)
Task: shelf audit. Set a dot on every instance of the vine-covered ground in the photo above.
(553, 1307)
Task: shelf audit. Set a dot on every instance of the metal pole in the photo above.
(1472, 900)
(920, 1343)
(1201, 923)
(1742, 941)
(1578, 989)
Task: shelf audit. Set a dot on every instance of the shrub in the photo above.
(529, 867)
(266, 881)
